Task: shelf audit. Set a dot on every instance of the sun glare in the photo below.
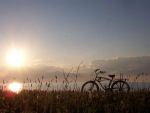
(15, 87)
(15, 58)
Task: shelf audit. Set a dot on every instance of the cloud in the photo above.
(124, 65)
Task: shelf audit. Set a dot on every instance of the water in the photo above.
(71, 86)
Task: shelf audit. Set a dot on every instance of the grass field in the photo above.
(74, 102)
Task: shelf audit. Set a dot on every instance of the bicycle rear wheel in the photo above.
(120, 86)
(90, 86)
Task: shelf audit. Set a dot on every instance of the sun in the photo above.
(15, 87)
(15, 58)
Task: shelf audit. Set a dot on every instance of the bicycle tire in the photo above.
(94, 85)
(120, 86)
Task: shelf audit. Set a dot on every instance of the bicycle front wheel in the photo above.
(90, 86)
(120, 86)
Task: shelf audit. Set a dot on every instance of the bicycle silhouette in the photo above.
(117, 85)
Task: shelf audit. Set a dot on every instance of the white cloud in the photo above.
(124, 65)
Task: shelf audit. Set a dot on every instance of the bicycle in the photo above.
(119, 85)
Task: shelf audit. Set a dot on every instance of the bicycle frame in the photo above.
(101, 79)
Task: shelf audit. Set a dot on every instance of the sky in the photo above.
(67, 32)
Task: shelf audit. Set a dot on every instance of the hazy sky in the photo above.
(66, 32)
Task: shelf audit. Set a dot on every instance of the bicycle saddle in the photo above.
(112, 76)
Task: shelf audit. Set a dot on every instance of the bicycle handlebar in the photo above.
(98, 71)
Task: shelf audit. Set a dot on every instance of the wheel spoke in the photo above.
(117, 85)
(90, 87)
(120, 86)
